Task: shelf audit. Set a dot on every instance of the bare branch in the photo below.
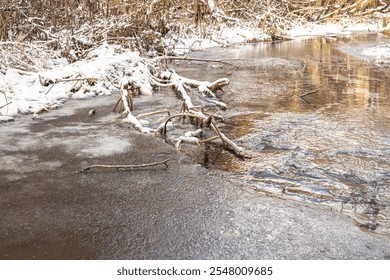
(126, 166)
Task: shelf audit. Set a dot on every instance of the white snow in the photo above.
(331, 29)
(105, 66)
(380, 52)
(23, 93)
(6, 119)
(225, 36)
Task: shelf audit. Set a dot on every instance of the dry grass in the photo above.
(76, 26)
(36, 20)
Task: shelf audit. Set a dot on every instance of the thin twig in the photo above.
(50, 89)
(165, 111)
(164, 130)
(310, 92)
(73, 79)
(118, 167)
(117, 103)
(197, 59)
(304, 100)
(1, 107)
(190, 49)
(209, 139)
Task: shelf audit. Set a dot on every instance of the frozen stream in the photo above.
(330, 149)
(330, 146)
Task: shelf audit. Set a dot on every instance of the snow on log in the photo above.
(127, 104)
(206, 88)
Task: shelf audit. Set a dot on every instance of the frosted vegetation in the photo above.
(55, 50)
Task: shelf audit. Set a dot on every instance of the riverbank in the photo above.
(50, 77)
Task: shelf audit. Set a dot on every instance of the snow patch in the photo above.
(223, 37)
(379, 52)
(99, 74)
(330, 29)
(6, 119)
(106, 146)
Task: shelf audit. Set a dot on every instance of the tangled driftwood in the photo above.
(132, 85)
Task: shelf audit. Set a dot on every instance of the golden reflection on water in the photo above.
(332, 144)
(336, 133)
(341, 79)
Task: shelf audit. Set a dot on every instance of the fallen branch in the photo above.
(207, 88)
(196, 59)
(1, 107)
(207, 121)
(129, 167)
(308, 93)
(47, 81)
(181, 85)
(126, 99)
(165, 111)
(164, 130)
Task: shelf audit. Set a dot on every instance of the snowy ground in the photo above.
(380, 52)
(101, 72)
(344, 27)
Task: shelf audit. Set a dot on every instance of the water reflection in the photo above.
(332, 147)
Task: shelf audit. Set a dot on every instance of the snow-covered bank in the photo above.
(330, 29)
(380, 52)
(345, 26)
(99, 74)
(223, 37)
(101, 71)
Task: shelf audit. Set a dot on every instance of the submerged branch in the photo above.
(308, 93)
(222, 61)
(209, 122)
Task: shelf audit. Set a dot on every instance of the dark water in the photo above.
(316, 116)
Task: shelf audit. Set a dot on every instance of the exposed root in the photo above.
(188, 110)
(207, 122)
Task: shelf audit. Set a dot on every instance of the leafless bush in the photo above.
(76, 26)
(36, 19)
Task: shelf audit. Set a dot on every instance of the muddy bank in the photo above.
(48, 211)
